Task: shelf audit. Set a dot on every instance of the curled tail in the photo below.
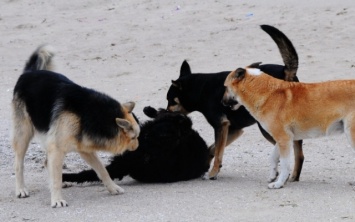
(288, 52)
(41, 59)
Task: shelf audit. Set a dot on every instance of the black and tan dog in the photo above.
(169, 151)
(204, 92)
(292, 111)
(66, 117)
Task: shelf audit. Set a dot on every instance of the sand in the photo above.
(131, 50)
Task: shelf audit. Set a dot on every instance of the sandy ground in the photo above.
(131, 50)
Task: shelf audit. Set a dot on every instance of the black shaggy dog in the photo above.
(169, 151)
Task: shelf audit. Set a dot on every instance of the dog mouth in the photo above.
(232, 104)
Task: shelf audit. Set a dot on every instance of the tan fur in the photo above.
(178, 107)
(61, 139)
(294, 111)
(218, 148)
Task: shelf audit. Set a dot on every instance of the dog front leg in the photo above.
(220, 144)
(93, 160)
(284, 151)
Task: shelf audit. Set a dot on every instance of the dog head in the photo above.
(176, 94)
(129, 127)
(233, 84)
(169, 116)
(170, 124)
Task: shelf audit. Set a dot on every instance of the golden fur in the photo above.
(61, 139)
(293, 111)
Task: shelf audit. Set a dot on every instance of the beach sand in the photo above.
(131, 50)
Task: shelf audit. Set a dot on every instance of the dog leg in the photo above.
(20, 146)
(221, 135)
(299, 158)
(274, 162)
(55, 157)
(93, 160)
(284, 151)
(22, 134)
(232, 135)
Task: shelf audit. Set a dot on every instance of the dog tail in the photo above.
(118, 168)
(82, 177)
(41, 59)
(287, 50)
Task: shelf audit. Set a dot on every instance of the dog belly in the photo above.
(333, 129)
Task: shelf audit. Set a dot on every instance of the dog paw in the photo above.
(275, 185)
(273, 176)
(67, 184)
(293, 179)
(205, 176)
(22, 193)
(114, 189)
(59, 203)
(212, 175)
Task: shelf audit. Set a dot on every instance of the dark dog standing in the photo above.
(169, 151)
(203, 93)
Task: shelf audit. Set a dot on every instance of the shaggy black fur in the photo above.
(169, 151)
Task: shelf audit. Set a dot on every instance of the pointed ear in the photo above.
(124, 124)
(255, 65)
(239, 74)
(129, 106)
(185, 69)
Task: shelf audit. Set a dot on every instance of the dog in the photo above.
(291, 111)
(203, 93)
(169, 151)
(66, 117)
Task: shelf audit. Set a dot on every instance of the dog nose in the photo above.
(229, 102)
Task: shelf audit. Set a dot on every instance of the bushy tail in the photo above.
(41, 59)
(288, 52)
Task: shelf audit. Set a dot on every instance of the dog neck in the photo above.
(253, 91)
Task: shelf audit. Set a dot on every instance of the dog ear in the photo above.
(129, 106)
(239, 74)
(150, 112)
(124, 124)
(185, 69)
(255, 65)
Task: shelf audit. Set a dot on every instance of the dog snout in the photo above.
(226, 101)
(134, 145)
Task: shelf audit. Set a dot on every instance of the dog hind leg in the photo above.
(22, 134)
(274, 160)
(55, 157)
(299, 159)
(93, 160)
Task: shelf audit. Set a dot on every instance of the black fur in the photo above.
(169, 151)
(47, 94)
(203, 92)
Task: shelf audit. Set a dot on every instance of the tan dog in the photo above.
(292, 111)
(67, 117)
